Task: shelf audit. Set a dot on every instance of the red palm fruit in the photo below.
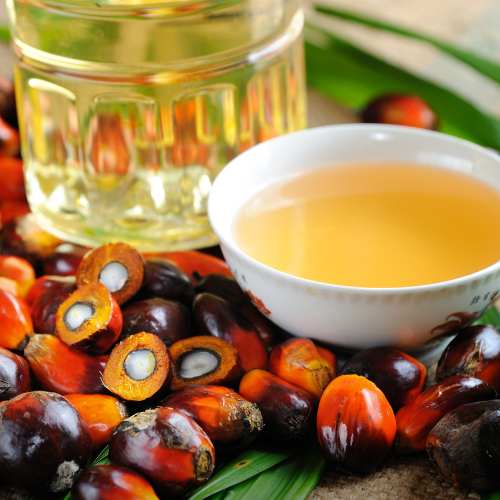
(90, 319)
(44, 283)
(111, 482)
(289, 413)
(170, 449)
(14, 375)
(117, 266)
(139, 368)
(356, 424)
(400, 109)
(217, 317)
(300, 362)
(44, 443)
(101, 412)
(230, 421)
(11, 286)
(64, 370)
(399, 376)
(15, 320)
(205, 360)
(64, 260)
(12, 185)
(50, 293)
(196, 264)
(415, 420)
(10, 210)
(18, 269)
(474, 352)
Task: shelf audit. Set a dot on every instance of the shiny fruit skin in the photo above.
(474, 352)
(16, 326)
(400, 109)
(230, 421)
(356, 424)
(399, 376)
(169, 320)
(14, 375)
(167, 447)
(289, 412)
(62, 369)
(102, 414)
(166, 280)
(415, 420)
(465, 446)
(18, 269)
(217, 317)
(301, 363)
(53, 291)
(44, 443)
(111, 482)
(64, 260)
(197, 264)
(44, 283)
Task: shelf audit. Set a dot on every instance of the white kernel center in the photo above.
(113, 276)
(197, 364)
(77, 314)
(140, 364)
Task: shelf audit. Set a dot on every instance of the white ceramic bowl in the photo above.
(351, 317)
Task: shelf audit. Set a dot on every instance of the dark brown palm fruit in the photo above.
(139, 368)
(400, 109)
(14, 375)
(90, 319)
(22, 236)
(217, 317)
(356, 424)
(111, 482)
(53, 291)
(399, 376)
(44, 283)
(44, 443)
(230, 421)
(465, 446)
(170, 320)
(474, 352)
(64, 370)
(415, 420)
(303, 364)
(167, 447)
(118, 266)
(289, 413)
(64, 260)
(227, 288)
(166, 280)
(102, 414)
(205, 360)
(196, 264)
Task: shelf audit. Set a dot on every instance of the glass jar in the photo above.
(129, 108)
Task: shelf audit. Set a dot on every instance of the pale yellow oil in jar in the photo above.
(129, 110)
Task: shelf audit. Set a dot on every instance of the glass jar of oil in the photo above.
(130, 108)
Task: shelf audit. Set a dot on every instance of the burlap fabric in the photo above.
(471, 25)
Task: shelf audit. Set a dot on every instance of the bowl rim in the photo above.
(319, 285)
